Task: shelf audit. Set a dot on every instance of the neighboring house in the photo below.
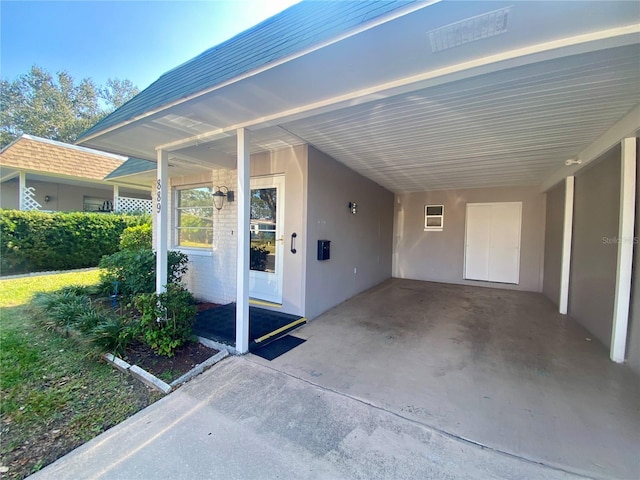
(478, 143)
(41, 174)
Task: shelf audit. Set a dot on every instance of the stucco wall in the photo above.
(554, 225)
(292, 163)
(594, 249)
(360, 243)
(63, 197)
(439, 256)
(633, 343)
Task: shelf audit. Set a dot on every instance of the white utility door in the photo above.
(265, 257)
(492, 244)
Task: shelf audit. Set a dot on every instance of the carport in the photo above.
(389, 125)
(383, 105)
(501, 369)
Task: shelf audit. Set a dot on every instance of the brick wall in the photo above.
(212, 272)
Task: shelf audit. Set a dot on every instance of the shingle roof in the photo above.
(131, 167)
(48, 156)
(299, 27)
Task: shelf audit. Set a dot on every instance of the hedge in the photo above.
(37, 241)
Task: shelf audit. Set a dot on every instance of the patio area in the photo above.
(498, 368)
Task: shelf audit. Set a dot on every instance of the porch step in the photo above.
(219, 324)
(276, 334)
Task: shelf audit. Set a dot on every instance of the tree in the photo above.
(56, 108)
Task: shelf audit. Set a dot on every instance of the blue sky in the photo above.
(137, 40)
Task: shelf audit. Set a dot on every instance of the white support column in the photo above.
(116, 198)
(565, 269)
(162, 227)
(625, 250)
(22, 186)
(244, 202)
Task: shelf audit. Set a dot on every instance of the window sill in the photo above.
(203, 252)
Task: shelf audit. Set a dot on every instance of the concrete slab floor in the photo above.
(500, 368)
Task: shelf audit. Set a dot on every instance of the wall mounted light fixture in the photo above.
(353, 206)
(573, 161)
(47, 198)
(220, 194)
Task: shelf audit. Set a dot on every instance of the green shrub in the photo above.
(166, 319)
(136, 237)
(62, 309)
(135, 270)
(88, 320)
(38, 241)
(113, 334)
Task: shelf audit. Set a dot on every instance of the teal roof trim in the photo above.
(295, 29)
(131, 167)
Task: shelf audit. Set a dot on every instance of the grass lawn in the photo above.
(55, 395)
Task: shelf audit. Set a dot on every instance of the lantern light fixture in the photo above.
(221, 194)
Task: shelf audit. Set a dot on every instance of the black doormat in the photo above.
(219, 323)
(278, 347)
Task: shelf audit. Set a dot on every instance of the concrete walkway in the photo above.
(242, 420)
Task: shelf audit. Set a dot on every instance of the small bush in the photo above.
(61, 309)
(113, 334)
(88, 320)
(136, 237)
(135, 271)
(167, 319)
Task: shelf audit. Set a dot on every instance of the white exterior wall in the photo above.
(211, 275)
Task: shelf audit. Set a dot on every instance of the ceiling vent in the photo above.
(470, 30)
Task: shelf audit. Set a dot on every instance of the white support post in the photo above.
(244, 202)
(162, 227)
(22, 187)
(116, 198)
(565, 269)
(625, 251)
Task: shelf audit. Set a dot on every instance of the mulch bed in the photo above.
(168, 369)
(202, 306)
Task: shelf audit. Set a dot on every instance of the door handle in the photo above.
(293, 242)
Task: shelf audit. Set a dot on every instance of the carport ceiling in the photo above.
(513, 127)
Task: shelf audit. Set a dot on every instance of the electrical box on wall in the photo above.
(324, 249)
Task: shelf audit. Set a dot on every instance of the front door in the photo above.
(265, 257)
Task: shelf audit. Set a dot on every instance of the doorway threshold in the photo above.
(264, 303)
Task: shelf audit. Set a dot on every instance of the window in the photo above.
(95, 204)
(433, 218)
(194, 217)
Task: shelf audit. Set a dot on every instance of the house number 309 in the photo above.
(159, 196)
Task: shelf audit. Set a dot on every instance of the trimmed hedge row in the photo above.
(37, 241)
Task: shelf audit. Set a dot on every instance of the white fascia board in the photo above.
(62, 176)
(614, 37)
(625, 127)
(9, 176)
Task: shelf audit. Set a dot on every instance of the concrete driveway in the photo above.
(241, 420)
(408, 380)
(498, 368)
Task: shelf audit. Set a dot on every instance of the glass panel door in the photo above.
(265, 231)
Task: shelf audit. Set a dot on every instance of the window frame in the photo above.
(427, 217)
(178, 216)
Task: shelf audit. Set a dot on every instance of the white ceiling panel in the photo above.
(513, 127)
